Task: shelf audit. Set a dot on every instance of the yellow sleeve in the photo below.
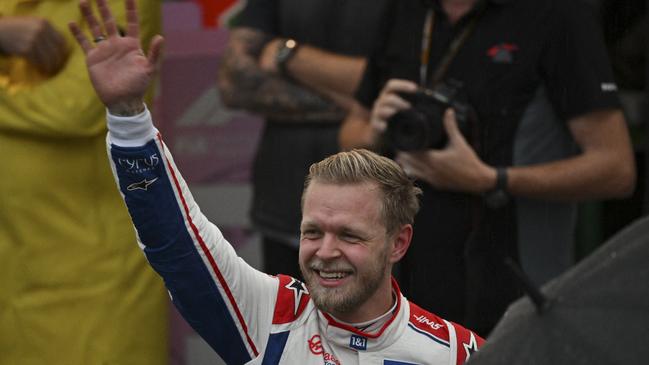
(64, 105)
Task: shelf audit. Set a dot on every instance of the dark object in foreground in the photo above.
(599, 312)
(422, 126)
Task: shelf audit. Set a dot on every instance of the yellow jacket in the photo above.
(74, 287)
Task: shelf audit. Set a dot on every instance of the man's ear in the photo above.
(400, 243)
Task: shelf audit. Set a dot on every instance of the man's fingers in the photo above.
(385, 107)
(80, 37)
(155, 50)
(400, 85)
(132, 21)
(450, 124)
(395, 101)
(385, 112)
(95, 28)
(107, 18)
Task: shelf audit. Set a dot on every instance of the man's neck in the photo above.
(456, 9)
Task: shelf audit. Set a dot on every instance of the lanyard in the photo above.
(453, 49)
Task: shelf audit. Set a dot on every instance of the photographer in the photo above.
(547, 132)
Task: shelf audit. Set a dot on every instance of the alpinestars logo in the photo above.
(142, 185)
(502, 53)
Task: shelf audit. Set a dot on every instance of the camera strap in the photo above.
(457, 43)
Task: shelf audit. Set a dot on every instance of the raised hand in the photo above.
(119, 70)
(34, 39)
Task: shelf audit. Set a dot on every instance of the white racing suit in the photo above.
(246, 316)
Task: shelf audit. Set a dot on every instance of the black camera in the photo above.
(421, 127)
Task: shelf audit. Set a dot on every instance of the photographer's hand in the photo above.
(356, 132)
(119, 70)
(456, 167)
(389, 102)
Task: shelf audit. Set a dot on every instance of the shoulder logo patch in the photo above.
(298, 289)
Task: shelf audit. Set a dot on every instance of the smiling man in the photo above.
(358, 210)
(346, 250)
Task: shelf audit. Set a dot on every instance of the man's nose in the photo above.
(330, 247)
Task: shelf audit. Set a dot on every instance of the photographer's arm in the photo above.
(243, 84)
(604, 169)
(356, 131)
(320, 70)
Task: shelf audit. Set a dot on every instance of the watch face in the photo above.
(285, 51)
(290, 43)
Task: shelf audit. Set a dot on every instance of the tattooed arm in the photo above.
(243, 84)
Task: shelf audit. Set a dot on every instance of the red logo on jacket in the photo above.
(315, 345)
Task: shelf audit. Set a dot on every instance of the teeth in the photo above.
(332, 275)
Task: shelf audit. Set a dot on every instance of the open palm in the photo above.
(119, 70)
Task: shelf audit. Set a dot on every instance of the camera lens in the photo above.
(408, 130)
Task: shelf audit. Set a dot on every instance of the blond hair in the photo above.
(400, 202)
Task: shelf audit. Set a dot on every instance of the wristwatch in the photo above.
(498, 196)
(285, 51)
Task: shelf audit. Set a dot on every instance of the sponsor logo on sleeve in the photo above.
(139, 165)
(142, 185)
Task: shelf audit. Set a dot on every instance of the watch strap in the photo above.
(498, 196)
(286, 50)
(501, 179)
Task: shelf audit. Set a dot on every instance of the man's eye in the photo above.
(310, 234)
(350, 238)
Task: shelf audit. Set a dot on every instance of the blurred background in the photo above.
(214, 146)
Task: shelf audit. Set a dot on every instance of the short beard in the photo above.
(337, 301)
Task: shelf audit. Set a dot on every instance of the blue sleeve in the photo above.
(227, 302)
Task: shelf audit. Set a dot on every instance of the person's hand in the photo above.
(119, 70)
(268, 56)
(389, 103)
(456, 167)
(36, 40)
